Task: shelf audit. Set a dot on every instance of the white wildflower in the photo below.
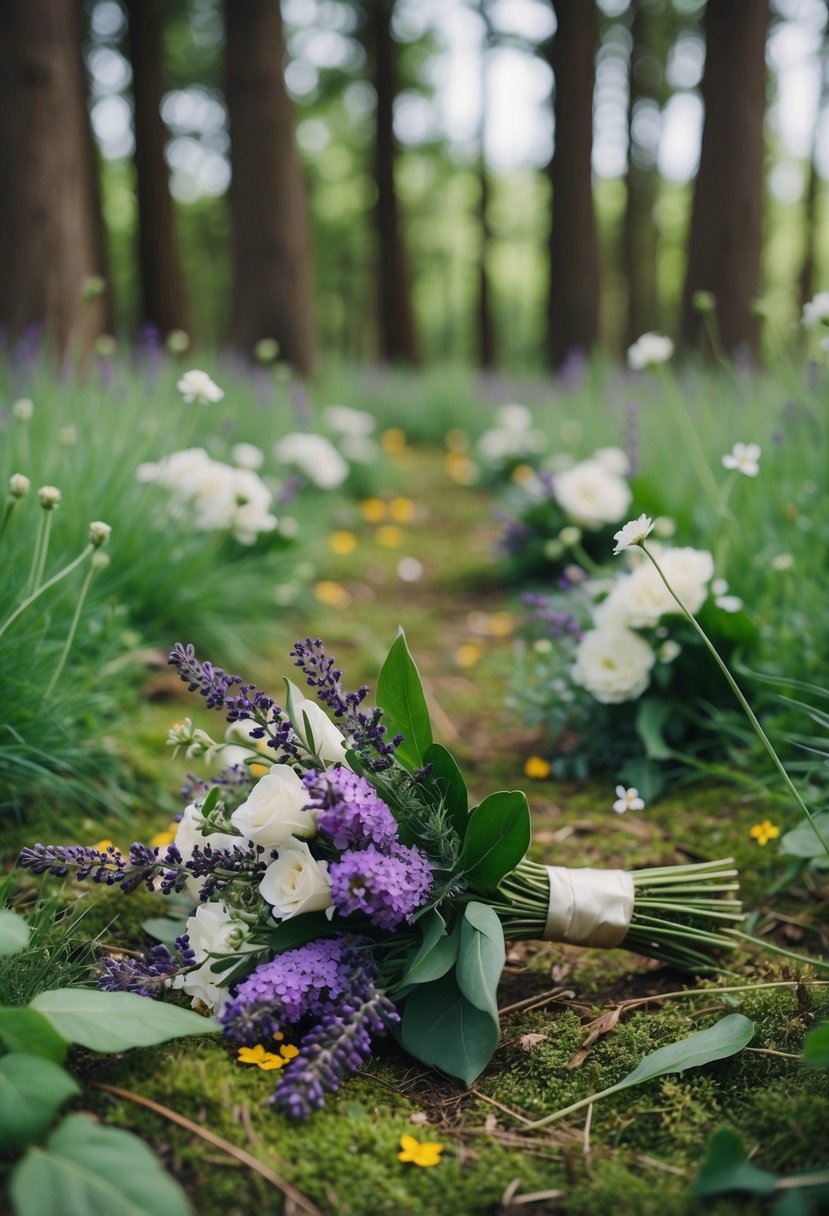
(49, 497)
(591, 495)
(613, 665)
(633, 533)
(346, 421)
(248, 456)
(313, 455)
(19, 485)
(816, 312)
(99, 533)
(744, 458)
(23, 410)
(627, 800)
(196, 386)
(649, 350)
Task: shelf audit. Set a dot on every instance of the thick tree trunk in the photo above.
(398, 341)
(48, 240)
(271, 258)
(573, 312)
(726, 222)
(486, 325)
(639, 245)
(163, 297)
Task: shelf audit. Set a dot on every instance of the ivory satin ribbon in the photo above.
(588, 907)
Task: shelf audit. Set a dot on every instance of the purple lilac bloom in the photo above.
(148, 974)
(340, 1043)
(297, 983)
(387, 887)
(351, 813)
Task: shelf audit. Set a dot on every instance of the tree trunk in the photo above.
(48, 240)
(486, 326)
(639, 244)
(398, 341)
(726, 222)
(573, 311)
(163, 296)
(271, 257)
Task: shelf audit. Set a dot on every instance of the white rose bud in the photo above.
(296, 882)
(325, 740)
(99, 533)
(49, 497)
(273, 811)
(19, 485)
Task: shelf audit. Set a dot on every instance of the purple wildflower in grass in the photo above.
(387, 887)
(148, 974)
(298, 983)
(553, 622)
(351, 813)
(340, 1043)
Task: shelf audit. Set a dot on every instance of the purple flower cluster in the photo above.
(555, 623)
(148, 974)
(351, 813)
(331, 981)
(386, 886)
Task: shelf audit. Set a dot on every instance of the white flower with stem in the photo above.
(591, 495)
(649, 350)
(743, 458)
(633, 533)
(212, 930)
(296, 882)
(744, 705)
(196, 387)
(627, 800)
(816, 311)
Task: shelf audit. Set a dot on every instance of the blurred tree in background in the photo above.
(490, 181)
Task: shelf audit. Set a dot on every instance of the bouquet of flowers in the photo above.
(345, 889)
(614, 672)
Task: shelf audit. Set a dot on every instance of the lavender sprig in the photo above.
(150, 973)
(322, 675)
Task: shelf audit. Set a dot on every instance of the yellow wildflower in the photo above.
(331, 593)
(538, 768)
(343, 542)
(374, 510)
(393, 440)
(765, 831)
(419, 1152)
(288, 1051)
(460, 468)
(469, 654)
(522, 473)
(258, 770)
(101, 846)
(501, 624)
(389, 536)
(266, 1060)
(163, 838)
(401, 510)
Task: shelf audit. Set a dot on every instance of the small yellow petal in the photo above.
(101, 846)
(373, 510)
(162, 838)
(537, 768)
(342, 542)
(393, 440)
(257, 1055)
(469, 654)
(401, 510)
(288, 1051)
(389, 536)
(331, 593)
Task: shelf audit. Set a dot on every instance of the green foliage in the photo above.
(116, 1021)
(32, 1091)
(400, 693)
(14, 932)
(441, 1026)
(497, 837)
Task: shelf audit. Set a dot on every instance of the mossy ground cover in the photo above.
(638, 1151)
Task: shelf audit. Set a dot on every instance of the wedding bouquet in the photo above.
(345, 889)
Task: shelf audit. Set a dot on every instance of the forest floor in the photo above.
(637, 1152)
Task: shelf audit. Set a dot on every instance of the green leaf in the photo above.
(651, 717)
(116, 1021)
(497, 837)
(727, 1168)
(437, 954)
(400, 695)
(442, 1028)
(816, 1047)
(32, 1091)
(24, 1029)
(85, 1167)
(164, 929)
(803, 841)
(725, 1038)
(210, 801)
(451, 785)
(481, 957)
(298, 930)
(14, 932)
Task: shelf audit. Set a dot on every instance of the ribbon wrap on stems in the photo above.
(589, 907)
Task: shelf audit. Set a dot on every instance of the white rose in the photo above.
(591, 495)
(325, 740)
(640, 599)
(296, 882)
(272, 812)
(188, 836)
(212, 930)
(613, 665)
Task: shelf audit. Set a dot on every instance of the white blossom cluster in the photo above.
(216, 497)
(512, 438)
(594, 492)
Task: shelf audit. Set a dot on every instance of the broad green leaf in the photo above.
(727, 1168)
(32, 1091)
(725, 1038)
(14, 932)
(497, 837)
(298, 930)
(87, 1168)
(210, 801)
(164, 929)
(803, 841)
(451, 785)
(442, 1028)
(116, 1021)
(651, 717)
(437, 954)
(481, 957)
(400, 695)
(816, 1047)
(24, 1029)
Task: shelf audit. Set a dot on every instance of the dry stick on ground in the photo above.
(290, 1192)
